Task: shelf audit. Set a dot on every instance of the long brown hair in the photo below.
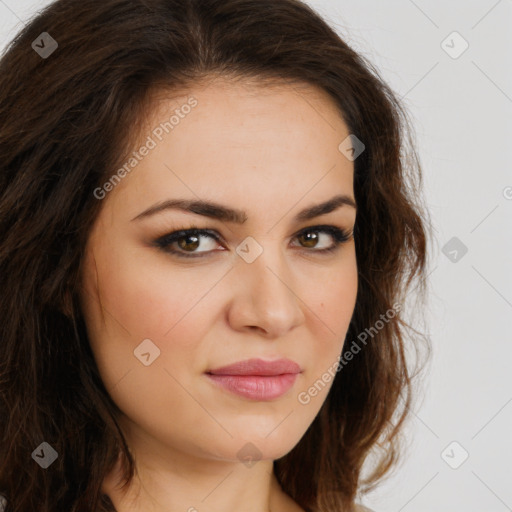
(66, 121)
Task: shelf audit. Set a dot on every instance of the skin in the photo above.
(272, 152)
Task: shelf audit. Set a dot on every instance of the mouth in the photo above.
(257, 379)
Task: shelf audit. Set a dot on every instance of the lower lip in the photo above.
(256, 387)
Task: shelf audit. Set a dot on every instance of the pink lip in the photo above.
(257, 379)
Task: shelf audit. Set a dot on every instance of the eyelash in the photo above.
(339, 235)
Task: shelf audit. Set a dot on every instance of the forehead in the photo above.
(242, 104)
(241, 139)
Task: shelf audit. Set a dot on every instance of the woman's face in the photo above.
(160, 317)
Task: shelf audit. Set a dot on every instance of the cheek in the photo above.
(331, 296)
(331, 307)
(137, 298)
(143, 295)
(133, 302)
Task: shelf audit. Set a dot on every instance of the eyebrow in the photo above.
(223, 213)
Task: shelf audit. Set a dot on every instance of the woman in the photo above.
(210, 219)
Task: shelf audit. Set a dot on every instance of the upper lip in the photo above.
(258, 367)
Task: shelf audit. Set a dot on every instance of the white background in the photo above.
(462, 112)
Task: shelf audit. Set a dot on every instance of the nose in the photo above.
(265, 297)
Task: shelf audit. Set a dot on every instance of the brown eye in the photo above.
(191, 242)
(310, 238)
(187, 242)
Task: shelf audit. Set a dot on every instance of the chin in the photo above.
(254, 447)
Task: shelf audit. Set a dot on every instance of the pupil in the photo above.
(310, 238)
(190, 237)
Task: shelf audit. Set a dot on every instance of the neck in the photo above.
(197, 485)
